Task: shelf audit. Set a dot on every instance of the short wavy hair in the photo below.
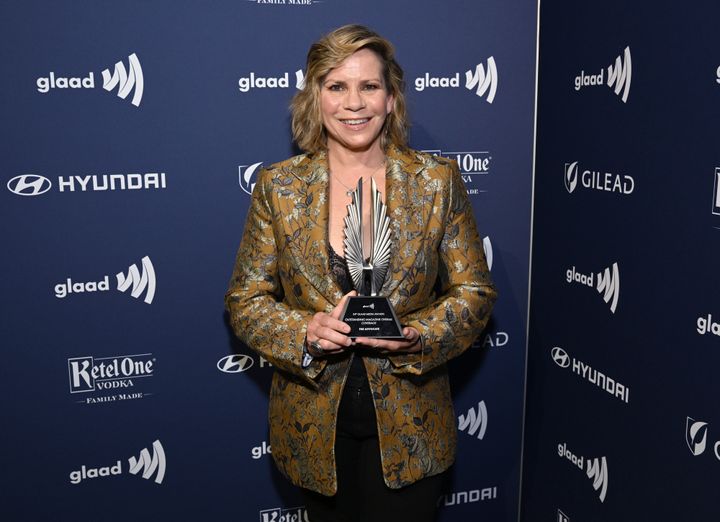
(325, 55)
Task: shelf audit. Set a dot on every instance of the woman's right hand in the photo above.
(328, 331)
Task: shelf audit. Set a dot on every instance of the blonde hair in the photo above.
(325, 55)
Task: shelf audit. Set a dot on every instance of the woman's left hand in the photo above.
(411, 343)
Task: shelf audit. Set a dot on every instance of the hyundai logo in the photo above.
(560, 356)
(235, 363)
(29, 185)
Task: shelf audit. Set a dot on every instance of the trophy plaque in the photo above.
(368, 314)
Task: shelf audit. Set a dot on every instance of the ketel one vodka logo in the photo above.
(596, 469)
(607, 283)
(116, 374)
(254, 81)
(136, 282)
(597, 180)
(126, 80)
(617, 76)
(473, 165)
(296, 514)
(483, 80)
(148, 466)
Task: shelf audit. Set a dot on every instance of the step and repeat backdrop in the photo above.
(622, 413)
(131, 136)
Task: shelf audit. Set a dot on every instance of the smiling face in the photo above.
(354, 102)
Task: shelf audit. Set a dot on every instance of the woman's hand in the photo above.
(411, 343)
(328, 332)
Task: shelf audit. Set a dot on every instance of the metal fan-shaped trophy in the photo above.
(368, 314)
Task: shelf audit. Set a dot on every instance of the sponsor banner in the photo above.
(596, 469)
(617, 76)
(146, 465)
(696, 438)
(134, 281)
(36, 185)
(127, 80)
(295, 514)
(475, 421)
(456, 498)
(110, 379)
(285, 80)
(597, 180)
(607, 283)
(591, 375)
(482, 80)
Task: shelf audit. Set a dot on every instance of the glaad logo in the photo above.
(716, 193)
(696, 435)
(296, 514)
(487, 248)
(717, 73)
(562, 517)
(247, 174)
(595, 179)
(29, 185)
(619, 76)
(707, 325)
(473, 165)
(593, 376)
(259, 451)
(466, 497)
(147, 464)
(483, 80)
(286, 2)
(34, 184)
(127, 80)
(101, 374)
(475, 422)
(236, 363)
(139, 283)
(134, 280)
(596, 469)
(247, 83)
(608, 283)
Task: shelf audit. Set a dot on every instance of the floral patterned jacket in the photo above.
(438, 282)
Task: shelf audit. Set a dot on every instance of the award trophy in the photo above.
(368, 314)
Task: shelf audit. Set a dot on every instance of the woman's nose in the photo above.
(354, 100)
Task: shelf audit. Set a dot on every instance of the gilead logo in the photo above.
(597, 180)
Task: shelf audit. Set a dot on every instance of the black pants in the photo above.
(362, 495)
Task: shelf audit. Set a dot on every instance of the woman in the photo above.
(365, 426)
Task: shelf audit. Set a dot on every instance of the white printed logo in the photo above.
(717, 73)
(236, 363)
(562, 517)
(29, 185)
(139, 283)
(296, 514)
(696, 435)
(253, 81)
(259, 451)
(608, 283)
(707, 325)
(466, 497)
(619, 76)
(247, 175)
(596, 469)
(34, 184)
(487, 248)
(716, 193)
(148, 464)
(593, 376)
(473, 165)
(597, 180)
(475, 422)
(483, 80)
(117, 375)
(126, 80)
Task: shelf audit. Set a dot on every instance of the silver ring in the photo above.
(315, 349)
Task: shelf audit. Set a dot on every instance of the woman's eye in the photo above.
(371, 87)
(335, 87)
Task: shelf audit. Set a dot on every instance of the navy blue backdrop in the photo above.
(130, 135)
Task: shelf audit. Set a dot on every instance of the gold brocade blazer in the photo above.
(438, 282)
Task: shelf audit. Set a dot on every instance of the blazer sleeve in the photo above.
(466, 294)
(254, 301)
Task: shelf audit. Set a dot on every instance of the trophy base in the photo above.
(371, 316)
